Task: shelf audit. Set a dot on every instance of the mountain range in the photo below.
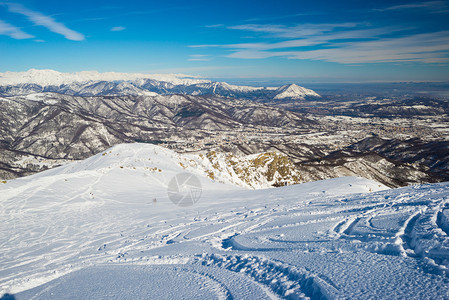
(50, 118)
(121, 84)
(63, 127)
(161, 186)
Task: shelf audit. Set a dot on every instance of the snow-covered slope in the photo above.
(105, 227)
(293, 91)
(55, 78)
(93, 83)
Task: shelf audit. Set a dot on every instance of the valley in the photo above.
(404, 138)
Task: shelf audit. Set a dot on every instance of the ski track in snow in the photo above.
(323, 240)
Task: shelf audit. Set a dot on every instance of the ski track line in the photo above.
(17, 214)
(287, 282)
(441, 217)
(443, 221)
(222, 290)
(346, 226)
(403, 236)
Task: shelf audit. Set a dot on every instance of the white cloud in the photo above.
(205, 46)
(346, 43)
(312, 40)
(429, 5)
(214, 26)
(199, 57)
(118, 28)
(13, 31)
(42, 20)
(425, 48)
(267, 18)
(301, 30)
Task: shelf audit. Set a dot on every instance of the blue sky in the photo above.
(310, 41)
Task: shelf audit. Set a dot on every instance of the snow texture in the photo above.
(51, 77)
(105, 228)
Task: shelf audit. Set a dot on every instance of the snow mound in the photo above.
(105, 228)
(256, 171)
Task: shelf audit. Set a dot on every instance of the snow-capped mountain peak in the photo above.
(55, 78)
(294, 91)
(90, 83)
(42, 77)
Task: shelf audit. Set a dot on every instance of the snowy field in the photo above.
(105, 228)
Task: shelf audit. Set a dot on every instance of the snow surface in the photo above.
(295, 92)
(51, 77)
(105, 228)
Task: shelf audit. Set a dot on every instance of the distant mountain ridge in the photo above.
(92, 83)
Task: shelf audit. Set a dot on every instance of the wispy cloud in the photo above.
(118, 28)
(282, 31)
(311, 39)
(199, 57)
(124, 13)
(310, 13)
(160, 10)
(425, 48)
(90, 19)
(214, 26)
(46, 21)
(13, 31)
(428, 5)
(346, 43)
